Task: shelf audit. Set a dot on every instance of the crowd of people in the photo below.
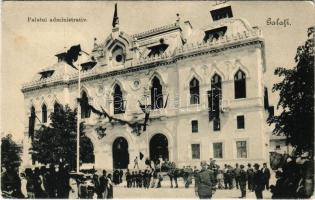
(294, 180)
(55, 182)
(256, 179)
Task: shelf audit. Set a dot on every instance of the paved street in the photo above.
(166, 192)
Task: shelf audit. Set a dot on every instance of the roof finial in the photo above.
(115, 18)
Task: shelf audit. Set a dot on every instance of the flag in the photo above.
(210, 111)
(72, 55)
(115, 18)
(141, 155)
(31, 126)
(146, 119)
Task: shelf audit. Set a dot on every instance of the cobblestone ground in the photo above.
(121, 191)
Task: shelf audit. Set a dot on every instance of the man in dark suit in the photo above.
(205, 182)
(266, 173)
(258, 181)
(242, 181)
(250, 175)
(103, 185)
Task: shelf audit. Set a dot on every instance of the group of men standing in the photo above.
(210, 177)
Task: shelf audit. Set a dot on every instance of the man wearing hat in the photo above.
(266, 173)
(242, 181)
(204, 182)
(258, 181)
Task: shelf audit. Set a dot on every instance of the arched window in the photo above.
(156, 94)
(44, 113)
(85, 109)
(216, 92)
(216, 82)
(240, 85)
(57, 107)
(194, 91)
(118, 100)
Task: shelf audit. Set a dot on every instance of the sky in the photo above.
(28, 47)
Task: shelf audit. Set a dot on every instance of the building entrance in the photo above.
(159, 147)
(120, 153)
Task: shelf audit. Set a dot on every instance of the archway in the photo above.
(159, 147)
(120, 153)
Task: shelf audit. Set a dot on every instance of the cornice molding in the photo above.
(180, 54)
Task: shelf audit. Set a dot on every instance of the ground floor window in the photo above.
(217, 150)
(241, 148)
(195, 151)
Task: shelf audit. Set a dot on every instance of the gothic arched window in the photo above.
(239, 85)
(57, 107)
(85, 109)
(118, 100)
(156, 94)
(194, 91)
(44, 113)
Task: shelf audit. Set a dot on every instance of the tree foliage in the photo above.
(57, 142)
(10, 153)
(296, 99)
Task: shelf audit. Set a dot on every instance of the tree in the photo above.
(10, 153)
(57, 142)
(296, 102)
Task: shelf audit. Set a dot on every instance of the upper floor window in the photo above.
(156, 94)
(194, 126)
(194, 91)
(158, 50)
(216, 33)
(240, 85)
(44, 113)
(240, 122)
(118, 100)
(46, 74)
(57, 107)
(85, 109)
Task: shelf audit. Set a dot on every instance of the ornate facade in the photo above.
(205, 87)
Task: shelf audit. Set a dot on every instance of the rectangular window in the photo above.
(217, 150)
(194, 126)
(278, 147)
(195, 151)
(241, 149)
(240, 122)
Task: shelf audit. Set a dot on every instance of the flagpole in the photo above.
(78, 120)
